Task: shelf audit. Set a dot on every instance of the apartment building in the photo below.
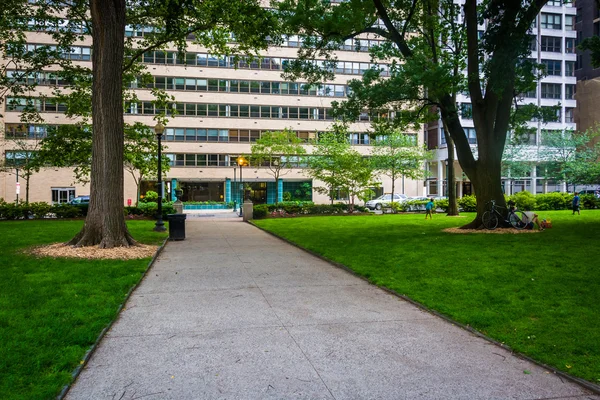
(223, 107)
(553, 40)
(587, 24)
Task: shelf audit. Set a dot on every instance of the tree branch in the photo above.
(395, 36)
(473, 52)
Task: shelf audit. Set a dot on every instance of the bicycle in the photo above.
(517, 219)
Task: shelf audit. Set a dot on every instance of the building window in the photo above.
(551, 21)
(570, 45)
(532, 43)
(553, 67)
(551, 91)
(569, 22)
(551, 44)
(466, 110)
(569, 68)
(569, 115)
(569, 92)
(554, 3)
(471, 135)
(551, 117)
(62, 195)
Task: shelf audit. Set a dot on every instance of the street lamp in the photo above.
(18, 188)
(159, 226)
(241, 161)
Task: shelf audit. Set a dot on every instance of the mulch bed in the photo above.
(93, 252)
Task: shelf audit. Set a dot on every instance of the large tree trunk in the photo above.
(105, 222)
(452, 203)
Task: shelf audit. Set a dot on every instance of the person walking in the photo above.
(576, 203)
(429, 209)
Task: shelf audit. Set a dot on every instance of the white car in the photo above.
(385, 200)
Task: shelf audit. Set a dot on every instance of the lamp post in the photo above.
(241, 161)
(234, 190)
(18, 188)
(159, 226)
(447, 178)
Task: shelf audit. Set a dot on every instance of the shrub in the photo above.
(287, 196)
(40, 209)
(443, 204)
(14, 210)
(414, 205)
(260, 211)
(66, 211)
(524, 200)
(150, 197)
(151, 208)
(468, 203)
(589, 201)
(553, 201)
(130, 210)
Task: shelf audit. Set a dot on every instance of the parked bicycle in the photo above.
(490, 219)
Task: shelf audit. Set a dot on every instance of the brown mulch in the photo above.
(93, 252)
(496, 231)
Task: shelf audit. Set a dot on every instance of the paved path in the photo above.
(233, 313)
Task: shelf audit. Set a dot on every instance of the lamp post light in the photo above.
(18, 186)
(241, 161)
(159, 226)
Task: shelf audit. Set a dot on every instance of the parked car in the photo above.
(385, 200)
(82, 202)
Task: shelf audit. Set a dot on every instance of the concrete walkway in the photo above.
(234, 313)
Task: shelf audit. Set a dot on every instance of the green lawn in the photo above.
(52, 310)
(539, 293)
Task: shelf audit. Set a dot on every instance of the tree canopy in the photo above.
(427, 45)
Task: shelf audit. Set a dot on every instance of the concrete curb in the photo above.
(92, 349)
(586, 384)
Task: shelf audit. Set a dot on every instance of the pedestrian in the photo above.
(429, 209)
(576, 203)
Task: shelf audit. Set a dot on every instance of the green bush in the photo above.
(414, 205)
(14, 210)
(468, 203)
(66, 211)
(553, 201)
(287, 196)
(443, 204)
(589, 201)
(524, 200)
(131, 210)
(40, 209)
(150, 197)
(260, 211)
(150, 209)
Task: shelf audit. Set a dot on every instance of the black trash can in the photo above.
(176, 226)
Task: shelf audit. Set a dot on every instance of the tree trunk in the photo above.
(393, 191)
(27, 177)
(452, 203)
(105, 223)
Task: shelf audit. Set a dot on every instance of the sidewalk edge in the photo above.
(93, 348)
(581, 382)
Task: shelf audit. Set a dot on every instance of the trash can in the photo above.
(176, 226)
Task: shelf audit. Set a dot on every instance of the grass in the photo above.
(53, 309)
(538, 293)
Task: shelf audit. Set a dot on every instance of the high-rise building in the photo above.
(553, 39)
(587, 24)
(223, 107)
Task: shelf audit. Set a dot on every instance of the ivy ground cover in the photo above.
(538, 293)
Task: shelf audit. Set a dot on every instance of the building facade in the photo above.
(223, 106)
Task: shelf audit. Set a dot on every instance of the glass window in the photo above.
(201, 135)
(234, 110)
(190, 84)
(553, 67)
(213, 110)
(254, 112)
(254, 87)
(179, 160)
(244, 87)
(213, 160)
(569, 115)
(551, 91)
(179, 134)
(201, 160)
(190, 135)
(551, 21)
(293, 112)
(244, 111)
(190, 109)
(569, 68)
(569, 92)
(223, 85)
(202, 85)
(234, 86)
(201, 110)
(265, 87)
(265, 112)
(551, 44)
(213, 135)
(569, 22)
(223, 135)
(570, 45)
(471, 135)
(213, 85)
(190, 160)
